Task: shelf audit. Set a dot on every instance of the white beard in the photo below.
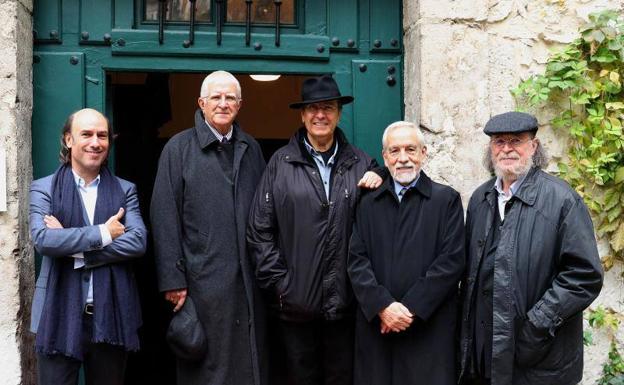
(404, 178)
(514, 173)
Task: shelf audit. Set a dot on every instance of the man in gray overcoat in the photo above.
(206, 179)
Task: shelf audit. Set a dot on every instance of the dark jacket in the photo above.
(199, 217)
(546, 271)
(299, 240)
(410, 252)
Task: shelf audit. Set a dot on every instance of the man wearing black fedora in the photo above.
(298, 234)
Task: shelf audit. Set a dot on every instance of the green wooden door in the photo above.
(79, 42)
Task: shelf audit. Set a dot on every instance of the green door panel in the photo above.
(346, 117)
(58, 91)
(377, 103)
(47, 21)
(343, 24)
(385, 25)
(95, 21)
(145, 42)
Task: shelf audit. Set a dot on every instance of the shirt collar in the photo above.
(218, 135)
(81, 182)
(498, 185)
(398, 187)
(315, 153)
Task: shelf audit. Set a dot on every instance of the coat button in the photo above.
(85, 277)
(237, 322)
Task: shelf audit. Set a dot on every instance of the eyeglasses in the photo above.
(230, 99)
(395, 152)
(513, 142)
(325, 108)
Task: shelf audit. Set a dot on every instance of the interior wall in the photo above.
(264, 112)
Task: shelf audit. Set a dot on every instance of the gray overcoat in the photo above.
(199, 219)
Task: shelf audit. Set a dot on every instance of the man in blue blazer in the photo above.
(87, 225)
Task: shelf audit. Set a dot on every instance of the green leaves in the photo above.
(613, 369)
(586, 76)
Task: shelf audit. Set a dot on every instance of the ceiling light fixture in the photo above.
(265, 78)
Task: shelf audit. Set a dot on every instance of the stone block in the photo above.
(473, 10)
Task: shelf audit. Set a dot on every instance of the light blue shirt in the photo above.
(400, 190)
(503, 198)
(88, 193)
(216, 133)
(324, 169)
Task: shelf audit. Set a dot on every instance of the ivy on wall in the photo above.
(583, 82)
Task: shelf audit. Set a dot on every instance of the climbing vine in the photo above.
(583, 83)
(613, 368)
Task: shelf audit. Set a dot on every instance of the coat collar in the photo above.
(296, 151)
(205, 135)
(423, 186)
(527, 193)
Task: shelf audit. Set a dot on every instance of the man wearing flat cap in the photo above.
(532, 267)
(299, 228)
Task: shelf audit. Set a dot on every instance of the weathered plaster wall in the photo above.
(16, 267)
(462, 57)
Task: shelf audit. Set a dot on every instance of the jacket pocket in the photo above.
(532, 345)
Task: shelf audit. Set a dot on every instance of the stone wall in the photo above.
(462, 57)
(16, 267)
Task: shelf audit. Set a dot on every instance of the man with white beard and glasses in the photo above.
(406, 258)
(532, 267)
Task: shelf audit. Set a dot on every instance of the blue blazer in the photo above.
(54, 243)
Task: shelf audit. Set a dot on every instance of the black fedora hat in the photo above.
(185, 334)
(320, 89)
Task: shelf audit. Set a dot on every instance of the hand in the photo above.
(395, 318)
(51, 222)
(176, 297)
(370, 181)
(115, 228)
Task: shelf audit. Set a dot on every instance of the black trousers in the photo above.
(318, 352)
(477, 381)
(104, 364)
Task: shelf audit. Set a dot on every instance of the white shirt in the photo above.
(218, 134)
(503, 197)
(88, 193)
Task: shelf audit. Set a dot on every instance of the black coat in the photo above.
(546, 271)
(199, 219)
(299, 240)
(410, 252)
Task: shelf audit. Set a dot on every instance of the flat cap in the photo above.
(510, 123)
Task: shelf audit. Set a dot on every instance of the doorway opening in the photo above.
(147, 109)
